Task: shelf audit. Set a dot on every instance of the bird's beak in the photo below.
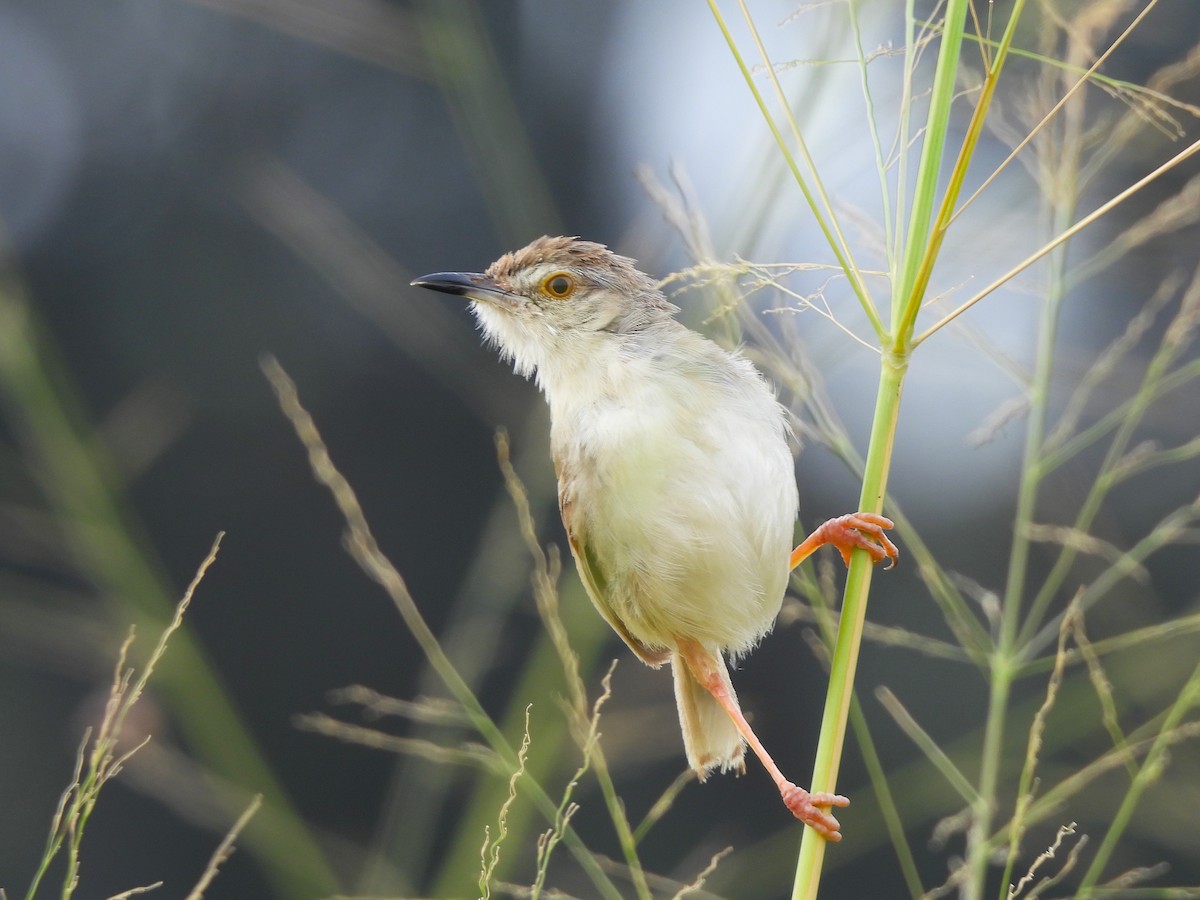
(472, 285)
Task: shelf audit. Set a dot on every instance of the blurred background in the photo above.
(186, 186)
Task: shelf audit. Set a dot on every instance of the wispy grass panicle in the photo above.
(105, 751)
(489, 853)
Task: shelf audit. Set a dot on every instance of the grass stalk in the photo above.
(1084, 78)
(1025, 783)
(1062, 237)
(1004, 663)
(930, 163)
(926, 743)
(906, 300)
(1002, 669)
(844, 661)
(889, 810)
(924, 268)
(835, 234)
(913, 266)
(538, 681)
(873, 129)
(1105, 480)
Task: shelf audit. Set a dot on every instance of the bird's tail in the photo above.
(710, 738)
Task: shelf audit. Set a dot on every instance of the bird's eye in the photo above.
(559, 286)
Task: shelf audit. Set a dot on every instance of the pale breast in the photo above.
(684, 488)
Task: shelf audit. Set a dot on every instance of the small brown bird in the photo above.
(675, 480)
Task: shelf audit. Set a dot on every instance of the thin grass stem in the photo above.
(826, 229)
(1062, 101)
(842, 247)
(1149, 772)
(1064, 236)
(924, 269)
(927, 745)
(873, 130)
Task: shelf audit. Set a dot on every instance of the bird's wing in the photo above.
(592, 575)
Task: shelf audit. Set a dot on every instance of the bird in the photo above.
(676, 479)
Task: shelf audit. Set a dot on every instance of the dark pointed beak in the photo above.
(473, 285)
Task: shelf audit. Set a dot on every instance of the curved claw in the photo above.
(860, 530)
(805, 807)
(867, 530)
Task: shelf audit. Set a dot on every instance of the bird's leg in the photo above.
(858, 530)
(803, 805)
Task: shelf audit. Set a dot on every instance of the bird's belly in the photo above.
(693, 543)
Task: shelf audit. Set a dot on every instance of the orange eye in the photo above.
(559, 286)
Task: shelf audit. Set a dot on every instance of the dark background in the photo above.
(185, 187)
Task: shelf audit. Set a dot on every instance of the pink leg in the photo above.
(803, 805)
(858, 530)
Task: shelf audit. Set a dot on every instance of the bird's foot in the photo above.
(805, 807)
(860, 530)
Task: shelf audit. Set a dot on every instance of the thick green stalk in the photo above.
(894, 364)
(854, 611)
(888, 809)
(883, 432)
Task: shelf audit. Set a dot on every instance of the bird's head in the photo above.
(550, 303)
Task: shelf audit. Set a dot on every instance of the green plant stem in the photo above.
(894, 364)
(881, 167)
(1061, 238)
(888, 809)
(946, 213)
(936, 126)
(903, 136)
(1150, 770)
(1106, 479)
(841, 245)
(849, 638)
(1004, 666)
